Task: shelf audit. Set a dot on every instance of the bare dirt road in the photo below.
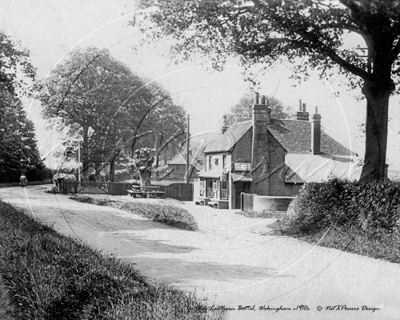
(232, 261)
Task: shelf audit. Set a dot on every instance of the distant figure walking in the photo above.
(23, 180)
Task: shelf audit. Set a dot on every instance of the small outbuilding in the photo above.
(177, 166)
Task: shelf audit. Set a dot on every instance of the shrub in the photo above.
(362, 218)
(169, 215)
(374, 206)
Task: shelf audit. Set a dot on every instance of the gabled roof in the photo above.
(227, 141)
(293, 135)
(180, 159)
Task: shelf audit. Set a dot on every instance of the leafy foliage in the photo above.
(374, 207)
(309, 34)
(354, 217)
(244, 109)
(143, 159)
(97, 99)
(18, 147)
(14, 60)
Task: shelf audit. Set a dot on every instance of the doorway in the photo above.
(240, 187)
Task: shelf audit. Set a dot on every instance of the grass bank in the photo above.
(358, 218)
(266, 214)
(51, 276)
(169, 215)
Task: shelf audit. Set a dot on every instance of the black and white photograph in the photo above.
(200, 159)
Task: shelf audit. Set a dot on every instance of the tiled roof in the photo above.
(316, 168)
(293, 135)
(180, 159)
(227, 141)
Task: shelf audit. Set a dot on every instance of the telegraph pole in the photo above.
(79, 163)
(187, 150)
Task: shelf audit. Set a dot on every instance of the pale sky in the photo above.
(49, 29)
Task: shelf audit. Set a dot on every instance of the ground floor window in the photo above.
(209, 190)
(202, 188)
(224, 189)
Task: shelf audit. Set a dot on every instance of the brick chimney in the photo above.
(224, 124)
(316, 132)
(260, 155)
(302, 114)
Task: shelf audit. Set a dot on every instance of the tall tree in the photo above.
(166, 122)
(244, 109)
(14, 61)
(93, 97)
(264, 31)
(18, 146)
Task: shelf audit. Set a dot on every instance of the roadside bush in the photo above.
(166, 214)
(349, 216)
(374, 207)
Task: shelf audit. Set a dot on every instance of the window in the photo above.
(216, 161)
(223, 162)
(209, 163)
(202, 188)
(224, 189)
(209, 190)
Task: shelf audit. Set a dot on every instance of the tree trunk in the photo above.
(112, 170)
(165, 155)
(112, 166)
(374, 167)
(156, 157)
(85, 153)
(145, 178)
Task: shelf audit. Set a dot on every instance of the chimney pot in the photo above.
(262, 99)
(256, 98)
(302, 114)
(316, 109)
(300, 105)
